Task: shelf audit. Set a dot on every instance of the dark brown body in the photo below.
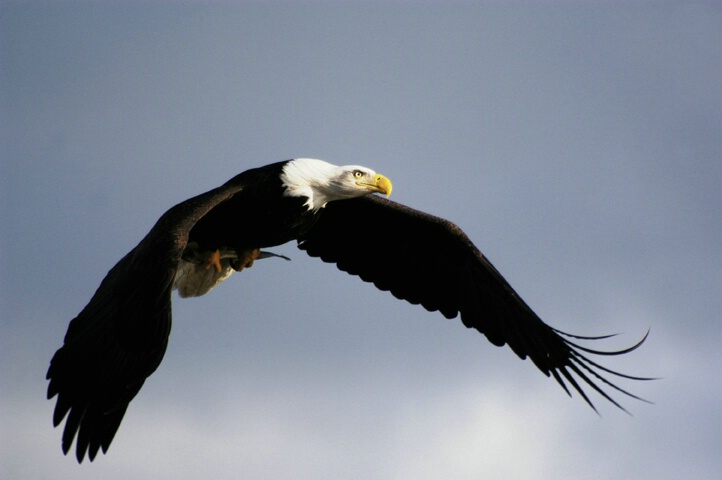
(258, 216)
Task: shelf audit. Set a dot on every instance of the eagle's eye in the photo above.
(358, 174)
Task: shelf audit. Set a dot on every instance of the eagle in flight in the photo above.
(120, 337)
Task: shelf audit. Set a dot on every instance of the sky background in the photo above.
(578, 145)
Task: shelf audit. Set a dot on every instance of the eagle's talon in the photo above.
(245, 259)
(213, 259)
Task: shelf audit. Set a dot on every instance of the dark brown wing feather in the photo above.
(120, 337)
(429, 261)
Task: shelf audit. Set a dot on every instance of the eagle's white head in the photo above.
(322, 182)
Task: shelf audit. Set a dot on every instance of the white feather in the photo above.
(194, 280)
(321, 182)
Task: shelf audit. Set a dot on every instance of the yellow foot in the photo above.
(245, 259)
(213, 259)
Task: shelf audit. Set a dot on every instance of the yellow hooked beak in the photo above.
(380, 184)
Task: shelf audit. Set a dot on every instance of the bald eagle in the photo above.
(120, 337)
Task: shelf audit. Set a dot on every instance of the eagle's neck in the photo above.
(312, 179)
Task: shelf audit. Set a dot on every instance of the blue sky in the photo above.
(578, 145)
